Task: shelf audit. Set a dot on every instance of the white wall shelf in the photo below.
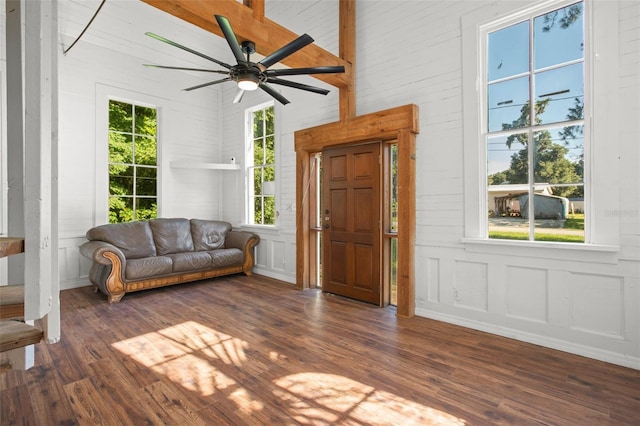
(184, 164)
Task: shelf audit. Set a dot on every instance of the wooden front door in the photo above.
(351, 213)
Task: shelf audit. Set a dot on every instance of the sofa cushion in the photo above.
(171, 235)
(190, 261)
(226, 257)
(209, 234)
(134, 239)
(148, 267)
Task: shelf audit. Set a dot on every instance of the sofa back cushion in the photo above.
(134, 239)
(209, 234)
(171, 235)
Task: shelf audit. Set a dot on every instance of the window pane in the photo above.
(269, 210)
(145, 150)
(145, 121)
(258, 124)
(120, 209)
(508, 51)
(120, 180)
(558, 36)
(559, 157)
(269, 174)
(270, 151)
(507, 181)
(146, 208)
(257, 181)
(120, 148)
(508, 104)
(394, 271)
(507, 159)
(394, 188)
(269, 121)
(146, 181)
(120, 116)
(258, 152)
(257, 208)
(559, 94)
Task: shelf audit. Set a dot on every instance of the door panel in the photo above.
(351, 222)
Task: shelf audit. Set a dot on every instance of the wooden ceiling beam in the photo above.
(267, 35)
(347, 52)
(257, 6)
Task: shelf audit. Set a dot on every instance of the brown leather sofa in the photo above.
(140, 255)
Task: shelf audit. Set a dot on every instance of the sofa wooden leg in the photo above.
(114, 298)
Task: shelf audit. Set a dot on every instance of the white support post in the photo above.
(15, 136)
(41, 286)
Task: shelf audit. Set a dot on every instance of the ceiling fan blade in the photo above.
(297, 85)
(273, 92)
(185, 48)
(211, 83)
(303, 71)
(185, 69)
(225, 26)
(238, 97)
(285, 51)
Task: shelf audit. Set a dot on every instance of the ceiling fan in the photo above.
(250, 75)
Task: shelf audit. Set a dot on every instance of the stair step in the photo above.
(11, 301)
(10, 246)
(16, 334)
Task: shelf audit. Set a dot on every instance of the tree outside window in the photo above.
(535, 156)
(133, 170)
(261, 166)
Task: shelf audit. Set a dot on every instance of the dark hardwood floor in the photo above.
(251, 350)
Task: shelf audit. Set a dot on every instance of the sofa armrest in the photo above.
(95, 251)
(244, 241)
(110, 256)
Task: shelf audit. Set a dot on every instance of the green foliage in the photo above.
(565, 19)
(132, 162)
(515, 235)
(574, 221)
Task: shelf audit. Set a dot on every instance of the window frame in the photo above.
(249, 165)
(601, 65)
(103, 94)
(134, 164)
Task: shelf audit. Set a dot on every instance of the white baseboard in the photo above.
(75, 283)
(269, 273)
(536, 339)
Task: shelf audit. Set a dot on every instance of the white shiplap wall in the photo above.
(407, 52)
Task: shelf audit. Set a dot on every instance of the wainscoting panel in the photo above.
(597, 304)
(433, 272)
(470, 289)
(527, 293)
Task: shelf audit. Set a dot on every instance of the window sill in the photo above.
(592, 253)
(267, 229)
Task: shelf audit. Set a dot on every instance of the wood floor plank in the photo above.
(253, 350)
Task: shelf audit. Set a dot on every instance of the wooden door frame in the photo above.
(401, 124)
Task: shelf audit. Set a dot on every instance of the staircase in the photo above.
(14, 332)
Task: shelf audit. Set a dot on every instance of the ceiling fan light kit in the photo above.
(248, 75)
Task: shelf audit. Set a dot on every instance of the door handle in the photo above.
(325, 226)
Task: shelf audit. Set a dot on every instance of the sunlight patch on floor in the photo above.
(184, 353)
(320, 398)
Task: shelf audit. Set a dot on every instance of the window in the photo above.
(535, 168)
(133, 169)
(261, 172)
(392, 234)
